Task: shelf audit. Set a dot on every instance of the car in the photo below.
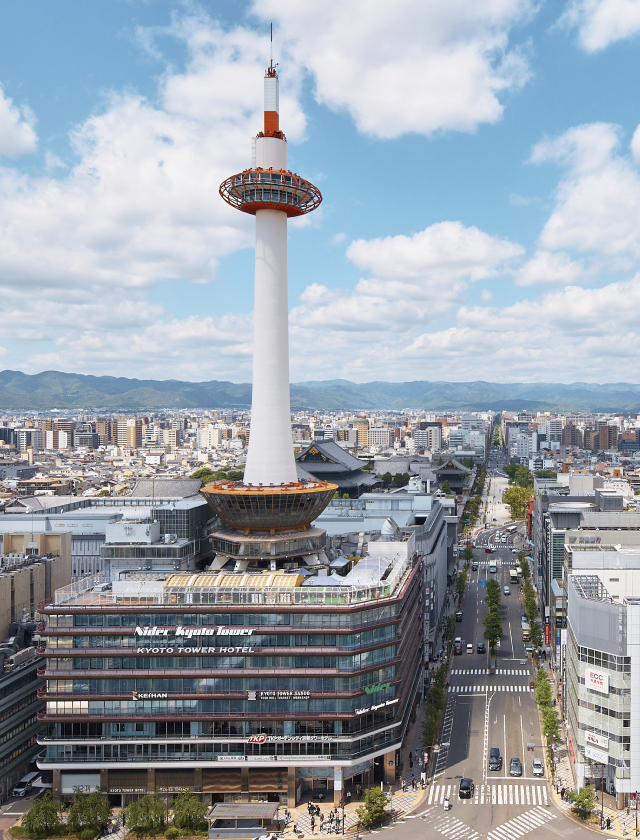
(457, 649)
(474, 567)
(538, 767)
(506, 590)
(495, 759)
(515, 767)
(457, 640)
(459, 615)
(481, 647)
(492, 569)
(466, 788)
(469, 648)
(528, 649)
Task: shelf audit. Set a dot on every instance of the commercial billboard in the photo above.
(597, 740)
(596, 755)
(596, 680)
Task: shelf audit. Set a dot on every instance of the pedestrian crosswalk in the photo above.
(454, 829)
(481, 689)
(522, 824)
(501, 672)
(493, 794)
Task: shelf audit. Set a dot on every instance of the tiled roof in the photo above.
(166, 488)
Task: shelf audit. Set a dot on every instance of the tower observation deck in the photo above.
(270, 498)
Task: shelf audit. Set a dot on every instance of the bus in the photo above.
(511, 529)
(513, 576)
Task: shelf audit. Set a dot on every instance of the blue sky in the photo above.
(478, 164)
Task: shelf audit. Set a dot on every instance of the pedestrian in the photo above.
(295, 828)
(608, 823)
(348, 797)
(321, 821)
(313, 823)
(404, 785)
(562, 794)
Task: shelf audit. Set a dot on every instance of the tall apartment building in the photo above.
(26, 438)
(380, 437)
(608, 437)
(572, 436)
(361, 425)
(130, 432)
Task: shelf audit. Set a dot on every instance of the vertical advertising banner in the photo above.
(547, 634)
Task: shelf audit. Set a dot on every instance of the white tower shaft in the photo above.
(270, 457)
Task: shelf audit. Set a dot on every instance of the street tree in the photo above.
(550, 724)
(543, 691)
(518, 500)
(42, 819)
(492, 627)
(460, 586)
(189, 811)
(89, 812)
(583, 800)
(147, 815)
(372, 811)
(536, 634)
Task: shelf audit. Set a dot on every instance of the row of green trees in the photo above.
(90, 813)
(492, 622)
(544, 699)
(530, 601)
(208, 475)
(397, 480)
(460, 585)
(520, 489)
(435, 705)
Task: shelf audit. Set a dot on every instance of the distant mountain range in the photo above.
(53, 389)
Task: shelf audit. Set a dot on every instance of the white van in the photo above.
(25, 785)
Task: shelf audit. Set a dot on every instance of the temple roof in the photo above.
(327, 457)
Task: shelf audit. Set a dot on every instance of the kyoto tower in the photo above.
(270, 499)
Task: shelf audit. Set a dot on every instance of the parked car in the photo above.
(469, 648)
(466, 789)
(515, 767)
(495, 759)
(538, 767)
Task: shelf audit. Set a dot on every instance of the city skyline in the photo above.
(480, 190)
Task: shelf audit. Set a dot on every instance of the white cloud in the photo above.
(406, 66)
(140, 204)
(416, 279)
(17, 136)
(597, 209)
(601, 23)
(546, 267)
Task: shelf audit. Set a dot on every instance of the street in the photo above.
(491, 710)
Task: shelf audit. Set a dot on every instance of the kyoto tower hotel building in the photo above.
(253, 681)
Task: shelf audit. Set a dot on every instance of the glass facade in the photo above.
(247, 508)
(199, 687)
